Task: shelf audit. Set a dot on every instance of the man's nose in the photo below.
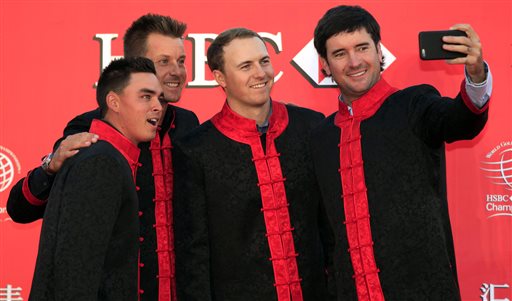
(156, 105)
(259, 72)
(354, 59)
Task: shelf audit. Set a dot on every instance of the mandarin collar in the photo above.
(230, 119)
(365, 106)
(239, 128)
(108, 133)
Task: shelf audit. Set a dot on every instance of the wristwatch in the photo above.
(46, 163)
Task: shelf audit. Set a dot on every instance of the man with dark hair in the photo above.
(380, 164)
(248, 204)
(88, 248)
(158, 38)
(149, 36)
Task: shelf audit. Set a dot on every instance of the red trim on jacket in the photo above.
(32, 199)
(129, 150)
(467, 101)
(163, 175)
(273, 194)
(355, 199)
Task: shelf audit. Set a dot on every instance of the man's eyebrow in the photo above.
(341, 49)
(244, 62)
(147, 90)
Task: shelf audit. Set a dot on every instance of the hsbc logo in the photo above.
(199, 66)
(306, 61)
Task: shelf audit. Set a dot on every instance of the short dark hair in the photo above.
(116, 76)
(344, 18)
(215, 53)
(135, 38)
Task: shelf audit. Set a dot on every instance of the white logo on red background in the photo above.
(9, 166)
(306, 61)
(497, 167)
(199, 66)
(494, 292)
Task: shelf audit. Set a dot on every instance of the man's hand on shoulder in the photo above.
(68, 148)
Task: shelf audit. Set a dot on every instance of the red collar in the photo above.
(240, 128)
(107, 133)
(365, 106)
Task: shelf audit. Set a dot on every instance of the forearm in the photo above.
(40, 184)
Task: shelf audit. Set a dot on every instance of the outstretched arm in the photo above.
(27, 199)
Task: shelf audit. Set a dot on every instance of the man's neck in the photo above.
(256, 113)
(164, 109)
(345, 100)
(113, 122)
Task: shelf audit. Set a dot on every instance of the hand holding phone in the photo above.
(431, 45)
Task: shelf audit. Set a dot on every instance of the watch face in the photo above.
(46, 162)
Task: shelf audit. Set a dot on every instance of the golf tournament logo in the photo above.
(497, 168)
(9, 166)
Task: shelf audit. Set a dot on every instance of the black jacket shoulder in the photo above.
(304, 113)
(81, 123)
(303, 119)
(184, 121)
(324, 126)
(196, 135)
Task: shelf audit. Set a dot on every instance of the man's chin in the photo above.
(172, 98)
(172, 95)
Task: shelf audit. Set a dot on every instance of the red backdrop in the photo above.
(50, 60)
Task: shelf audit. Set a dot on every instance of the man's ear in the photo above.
(113, 101)
(219, 78)
(325, 67)
(379, 52)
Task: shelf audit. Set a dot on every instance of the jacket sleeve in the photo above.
(24, 205)
(27, 199)
(437, 119)
(191, 229)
